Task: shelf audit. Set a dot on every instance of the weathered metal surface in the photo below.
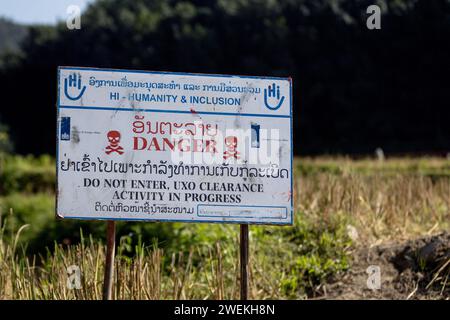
(244, 244)
(138, 145)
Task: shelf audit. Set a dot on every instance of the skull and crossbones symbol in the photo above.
(113, 139)
(231, 144)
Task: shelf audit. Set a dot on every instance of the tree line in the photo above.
(355, 89)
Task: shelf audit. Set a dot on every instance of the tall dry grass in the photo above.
(140, 277)
(379, 207)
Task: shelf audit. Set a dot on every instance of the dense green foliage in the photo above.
(10, 36)
(27, 174)
(354, 89)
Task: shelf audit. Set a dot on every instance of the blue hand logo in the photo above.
(272, 93)
(73, 81)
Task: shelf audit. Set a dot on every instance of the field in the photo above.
(350, 214)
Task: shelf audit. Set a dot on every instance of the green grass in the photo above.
(432, 167)
(390, 200)
(27, 174)
(286, 263)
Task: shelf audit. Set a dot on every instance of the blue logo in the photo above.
(65, 128)
(255, 134)
(272, 93)
(74, 82)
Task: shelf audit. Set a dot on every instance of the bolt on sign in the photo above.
(162, 146)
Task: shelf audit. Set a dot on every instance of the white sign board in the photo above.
(161, 146)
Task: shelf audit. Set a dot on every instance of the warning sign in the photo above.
(137, 145)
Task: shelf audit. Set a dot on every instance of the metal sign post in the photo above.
(109, 260)
(244, 261)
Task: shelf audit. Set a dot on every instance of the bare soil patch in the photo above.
(414, 269)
